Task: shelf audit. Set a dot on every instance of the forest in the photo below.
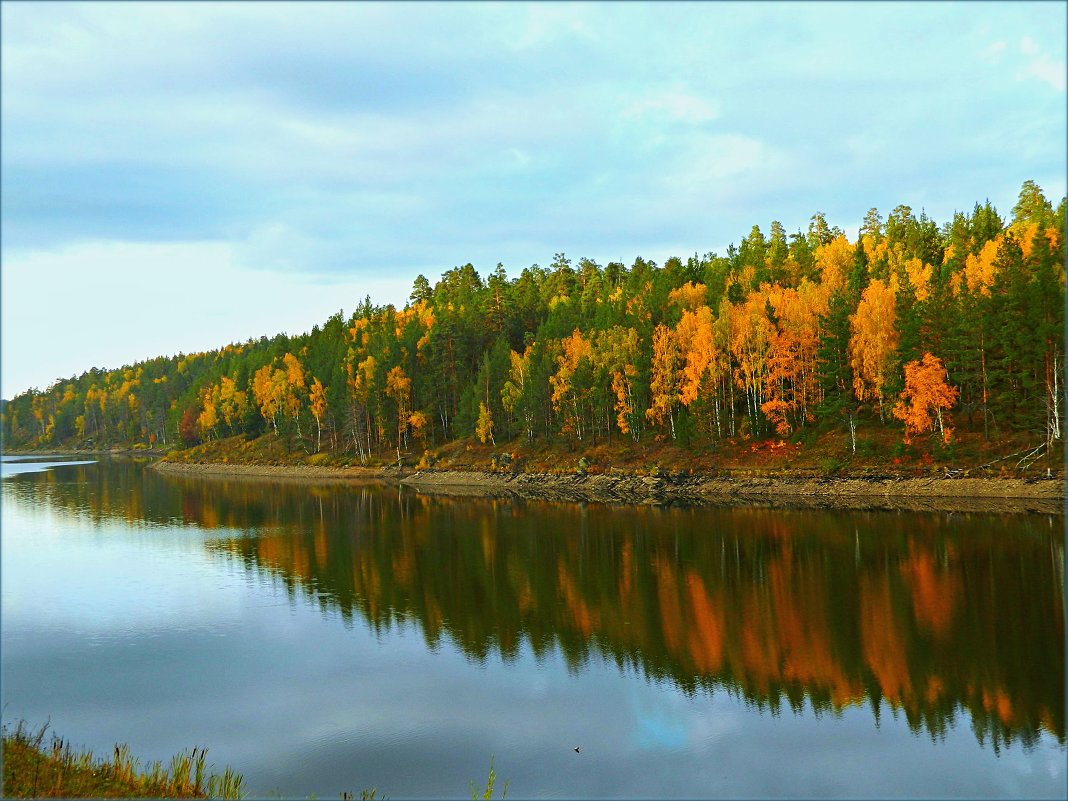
(926, 330)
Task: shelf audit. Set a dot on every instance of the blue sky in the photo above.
(179, 176)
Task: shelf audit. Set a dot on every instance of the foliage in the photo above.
(782, 334)
(487, 793)
(925, 391)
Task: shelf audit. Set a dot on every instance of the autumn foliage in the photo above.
(926, 392)
(784, 334)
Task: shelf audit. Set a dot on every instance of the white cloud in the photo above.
(716, 158)
(106, 304)
(407, 137)
(676, 104)
(866, 147)
(520, 158)
(276, 247)
(546, 23)
(1042, 66)
(994, 51)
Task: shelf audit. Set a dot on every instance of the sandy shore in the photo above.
(1045, 495)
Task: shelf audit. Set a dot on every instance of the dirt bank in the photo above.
(307, 472)
(869, 492)
(1045, 495)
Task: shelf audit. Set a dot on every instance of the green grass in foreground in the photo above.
(32, 769)
(487, 793)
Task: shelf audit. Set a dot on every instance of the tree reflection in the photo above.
(929, 615)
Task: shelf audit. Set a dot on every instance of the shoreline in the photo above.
(38, 454)
(304, 472)
(884, 491)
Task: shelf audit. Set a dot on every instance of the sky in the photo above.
(176, 177)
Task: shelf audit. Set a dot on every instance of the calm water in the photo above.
(323, 638)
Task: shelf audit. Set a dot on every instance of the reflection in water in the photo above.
(930, 614)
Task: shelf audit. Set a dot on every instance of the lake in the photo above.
(332, 637)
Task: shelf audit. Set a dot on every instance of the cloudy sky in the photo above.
(177, 177)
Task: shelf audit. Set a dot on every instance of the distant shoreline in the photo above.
(44, 454)
(288, 471)
(883, 491)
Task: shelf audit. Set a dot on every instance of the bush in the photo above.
(830, 465)
(946, 452)
(806, 436)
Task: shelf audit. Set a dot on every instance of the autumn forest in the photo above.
(925, 330)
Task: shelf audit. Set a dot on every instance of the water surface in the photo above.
(332, 637)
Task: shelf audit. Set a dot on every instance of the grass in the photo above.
(32, 769)
(487, 793)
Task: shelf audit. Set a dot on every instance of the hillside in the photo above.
(913, 345)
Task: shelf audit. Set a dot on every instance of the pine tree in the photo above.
(1012, 384)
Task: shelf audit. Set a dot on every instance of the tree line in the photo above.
(931, 329)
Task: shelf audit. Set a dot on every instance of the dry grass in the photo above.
(32, 769)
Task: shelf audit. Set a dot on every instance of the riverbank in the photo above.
(307, 472)
(44, 454)
(782, 488)
(848, 492)
(33, 769)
